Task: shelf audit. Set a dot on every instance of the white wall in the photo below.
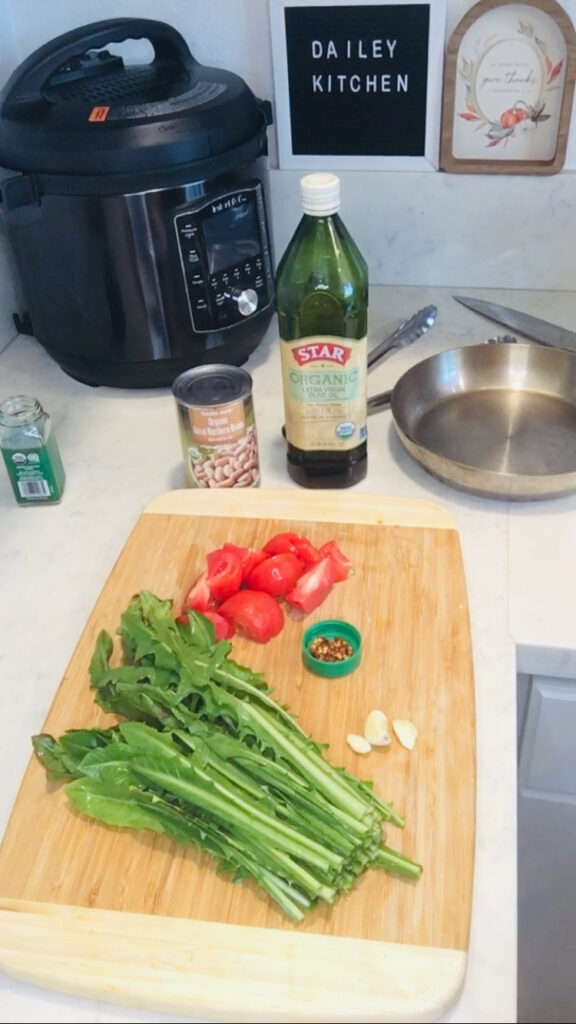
(226, 33)
(415, 228)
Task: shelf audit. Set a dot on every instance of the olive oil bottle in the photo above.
(322, 305)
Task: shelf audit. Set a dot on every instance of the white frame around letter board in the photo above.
(436, 43)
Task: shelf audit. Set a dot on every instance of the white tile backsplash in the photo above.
(483, 231)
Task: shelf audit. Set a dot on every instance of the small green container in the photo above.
(30, 451)
(331, 628)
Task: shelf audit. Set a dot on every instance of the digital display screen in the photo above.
(231, 236)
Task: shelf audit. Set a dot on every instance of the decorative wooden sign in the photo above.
(508, 89)
(358, 83)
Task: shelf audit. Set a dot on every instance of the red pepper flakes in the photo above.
(334, 648)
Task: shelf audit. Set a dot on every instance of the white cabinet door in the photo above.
(547, 853)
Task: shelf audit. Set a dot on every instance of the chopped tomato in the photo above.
(341, 564)
(254, 614)
(276, 575)
(224, 573)
(199, 595)
(280, 543)
(239, 587)
(223, 628)
(294, 543)
(249, 557)
(313, 586)
(306, 552)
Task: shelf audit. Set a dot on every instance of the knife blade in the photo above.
(531, 326)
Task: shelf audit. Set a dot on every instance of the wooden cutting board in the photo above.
(127, 917)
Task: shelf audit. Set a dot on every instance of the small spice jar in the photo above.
(30, 451)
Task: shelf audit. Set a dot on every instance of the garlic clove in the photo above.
(405, 731)
(359, 744)
(376, 729)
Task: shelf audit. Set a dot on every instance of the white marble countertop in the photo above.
(121, 449)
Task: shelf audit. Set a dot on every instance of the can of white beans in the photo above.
(217, 426)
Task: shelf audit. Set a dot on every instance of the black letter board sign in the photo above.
(358, 85)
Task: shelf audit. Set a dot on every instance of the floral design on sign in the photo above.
(520, 111)
(510, 81)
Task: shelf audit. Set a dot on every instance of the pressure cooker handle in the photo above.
(26, 84)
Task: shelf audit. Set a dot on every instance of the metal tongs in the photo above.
(407, 332)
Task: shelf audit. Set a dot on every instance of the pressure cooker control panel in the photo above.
(225, 258)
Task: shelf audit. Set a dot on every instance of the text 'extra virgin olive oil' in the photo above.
(322, 304)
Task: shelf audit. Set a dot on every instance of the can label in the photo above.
(220, 445)
(324, 382)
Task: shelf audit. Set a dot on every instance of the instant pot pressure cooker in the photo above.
(136, 213)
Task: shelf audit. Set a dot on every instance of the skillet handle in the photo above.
(381, 401)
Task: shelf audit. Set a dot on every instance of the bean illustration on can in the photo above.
(217, 426)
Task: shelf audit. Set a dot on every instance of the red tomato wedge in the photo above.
(294, 543)
(276, 575)
(199, 596)
(341, 564)
(280, 543)
(313, 586)
(249, 557)
(254, 614)
(241, 586)
(223, 628)
(306, 552)
(224, 575)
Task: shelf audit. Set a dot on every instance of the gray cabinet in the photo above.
(546, 850)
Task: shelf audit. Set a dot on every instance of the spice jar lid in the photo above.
(331, 630)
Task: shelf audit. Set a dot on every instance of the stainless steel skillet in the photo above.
(497, 420)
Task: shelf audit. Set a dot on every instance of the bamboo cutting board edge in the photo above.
(320, 506)
(226, 972)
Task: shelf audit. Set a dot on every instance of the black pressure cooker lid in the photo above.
(74, 108)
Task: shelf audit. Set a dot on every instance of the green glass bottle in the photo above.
(322, 305)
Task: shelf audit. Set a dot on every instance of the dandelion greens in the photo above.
(205, 755)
